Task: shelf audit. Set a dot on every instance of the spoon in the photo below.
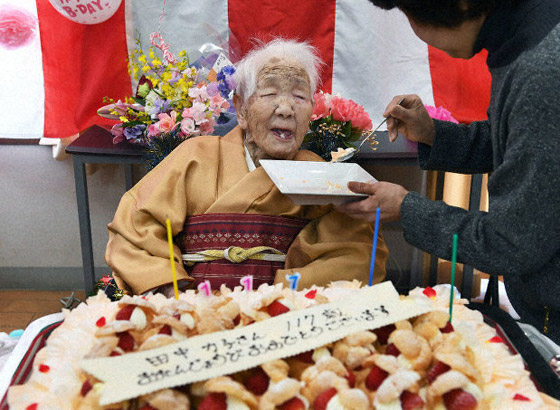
(350, 152)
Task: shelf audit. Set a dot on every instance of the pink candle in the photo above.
(247, 282)
(205, 287)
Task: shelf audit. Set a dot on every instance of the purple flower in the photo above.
(213, 88)
(231, 82)
(224, 90)
(134, 132)
(174, 79)
(161, 106)
(225, 72)
(226, 81)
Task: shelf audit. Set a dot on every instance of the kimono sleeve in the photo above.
(138, 250)
(334, 247)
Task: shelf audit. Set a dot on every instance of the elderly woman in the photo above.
(228, 218)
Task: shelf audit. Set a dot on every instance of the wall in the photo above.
(39, 233)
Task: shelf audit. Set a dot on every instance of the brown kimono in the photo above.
(209, 175)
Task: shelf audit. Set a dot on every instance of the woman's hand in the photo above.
(410, 118)
(384, 195)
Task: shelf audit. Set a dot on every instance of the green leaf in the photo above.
(130, 124)
(140, 101)
(309, 136)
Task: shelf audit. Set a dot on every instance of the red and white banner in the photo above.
(55, 71)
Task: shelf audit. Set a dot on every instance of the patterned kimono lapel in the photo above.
(237, 187)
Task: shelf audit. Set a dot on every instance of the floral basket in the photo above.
(175, 100)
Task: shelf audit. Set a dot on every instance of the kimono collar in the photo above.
(515, 27)
(250, 163)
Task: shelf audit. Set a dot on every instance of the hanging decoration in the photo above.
(157, 41)
(18, 27)
(86, 12)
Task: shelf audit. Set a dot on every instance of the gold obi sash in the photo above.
(222, 248)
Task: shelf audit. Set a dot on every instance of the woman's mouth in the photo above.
(283, 133)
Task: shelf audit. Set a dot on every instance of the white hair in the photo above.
(249, 66)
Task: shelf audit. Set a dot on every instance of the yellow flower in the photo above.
(167, 90)
(184, 86)
(166, 76)
(122, 118)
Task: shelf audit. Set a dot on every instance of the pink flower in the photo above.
(198, 93)
(361, 120)
(167, 122)
(207, 128)
(115, 110)
(18, 27)
(117, 133)
(153, 130)
(218, 104)
(197, 112)
(440, 113)
(347, 110)
(187, 126)
(321, 108)
(342, 109)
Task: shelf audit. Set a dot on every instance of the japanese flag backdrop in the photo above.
(53, 83)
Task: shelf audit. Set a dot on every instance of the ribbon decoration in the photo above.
(162, 45)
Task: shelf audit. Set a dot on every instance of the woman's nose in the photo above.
(284, 106)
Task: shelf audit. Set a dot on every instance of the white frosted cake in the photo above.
(424, 362)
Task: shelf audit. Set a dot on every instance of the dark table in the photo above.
(95, 146)
(400, 152)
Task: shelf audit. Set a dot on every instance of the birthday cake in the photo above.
(423, 362)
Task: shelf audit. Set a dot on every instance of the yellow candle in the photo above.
(172, 258)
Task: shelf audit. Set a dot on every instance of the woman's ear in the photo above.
(240, 109)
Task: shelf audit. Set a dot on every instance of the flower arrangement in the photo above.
(174, 100)
(336, 122)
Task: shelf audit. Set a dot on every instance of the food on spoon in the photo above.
(341, 154)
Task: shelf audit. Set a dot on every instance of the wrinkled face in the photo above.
(457, 42)
(276, 117)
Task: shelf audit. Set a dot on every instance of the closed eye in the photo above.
(268, 93)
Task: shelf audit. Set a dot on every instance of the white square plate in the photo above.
(316, 183)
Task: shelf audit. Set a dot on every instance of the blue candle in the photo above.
(294, 279)
(374, 246)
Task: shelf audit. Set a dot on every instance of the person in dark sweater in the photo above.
(519, 146)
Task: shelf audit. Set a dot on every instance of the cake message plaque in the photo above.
(215, 354)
